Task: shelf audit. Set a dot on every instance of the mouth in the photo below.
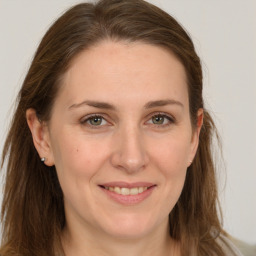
(127, 193)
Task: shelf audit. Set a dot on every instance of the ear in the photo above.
(40, 135)
(195, 135)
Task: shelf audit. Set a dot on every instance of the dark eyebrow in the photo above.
(160, 103)
(95, 104)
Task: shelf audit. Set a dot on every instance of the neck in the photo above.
(96, 243)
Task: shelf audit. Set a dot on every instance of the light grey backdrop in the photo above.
(224, 33)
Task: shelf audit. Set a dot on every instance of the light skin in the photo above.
(121, 115)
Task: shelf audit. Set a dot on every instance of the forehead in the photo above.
(120, 70)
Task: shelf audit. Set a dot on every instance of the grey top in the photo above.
(229, 247)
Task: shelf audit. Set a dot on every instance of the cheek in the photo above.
(71, 157)
(169, 160)
(77, 163)
(172, 155)
(78, 157)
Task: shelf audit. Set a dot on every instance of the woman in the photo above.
(109, 151)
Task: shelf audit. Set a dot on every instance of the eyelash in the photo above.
(170, 120)
(85, 120)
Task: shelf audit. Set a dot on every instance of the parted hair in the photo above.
(32, 210)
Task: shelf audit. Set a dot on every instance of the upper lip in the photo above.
(122, 184)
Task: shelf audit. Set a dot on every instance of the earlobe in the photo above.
(40, 135)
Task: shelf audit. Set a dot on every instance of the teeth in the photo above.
(127, 191)
(141, 189)
(134, 191)
(117, 190)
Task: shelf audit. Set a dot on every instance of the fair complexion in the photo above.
(121, 140)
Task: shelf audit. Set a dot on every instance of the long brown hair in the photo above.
(32, 211)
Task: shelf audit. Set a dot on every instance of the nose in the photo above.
(129, 151)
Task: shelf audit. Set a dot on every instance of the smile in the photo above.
(127, 191)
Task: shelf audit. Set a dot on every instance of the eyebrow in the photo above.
(95, 104)
(160, 103)
(104, 105)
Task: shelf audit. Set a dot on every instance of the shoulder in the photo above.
(228, 246)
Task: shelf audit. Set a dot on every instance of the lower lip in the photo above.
(129, 199)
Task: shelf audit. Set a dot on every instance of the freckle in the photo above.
(77, 150)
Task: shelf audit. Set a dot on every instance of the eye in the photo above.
(94, 120)
(161, 120)
(158, 119)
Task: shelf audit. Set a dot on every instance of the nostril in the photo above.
(127, 162)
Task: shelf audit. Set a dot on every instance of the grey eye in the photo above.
(158, 119)
(161, 120)
(95, 120)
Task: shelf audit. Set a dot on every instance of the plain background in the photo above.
(224, 33)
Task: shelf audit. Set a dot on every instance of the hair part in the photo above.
(32, 211)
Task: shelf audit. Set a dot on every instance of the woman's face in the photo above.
(121, 139)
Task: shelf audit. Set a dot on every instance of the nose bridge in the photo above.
(129, 154)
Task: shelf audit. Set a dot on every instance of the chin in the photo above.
(131, 227)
